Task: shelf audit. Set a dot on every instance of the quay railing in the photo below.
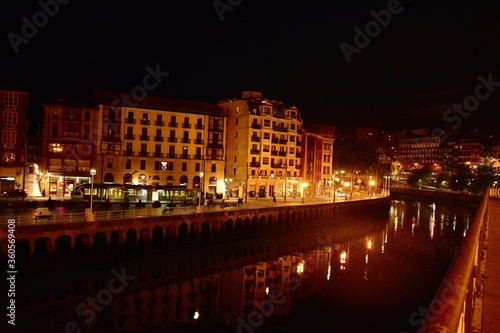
(452, 308)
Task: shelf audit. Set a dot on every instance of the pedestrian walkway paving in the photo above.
(491, 298)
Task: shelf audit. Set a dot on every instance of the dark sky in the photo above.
(426, 58)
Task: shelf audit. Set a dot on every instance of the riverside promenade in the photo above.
(491, 296)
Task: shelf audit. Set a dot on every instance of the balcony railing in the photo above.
(128, 153)
(144, 137)
(255, 139)
(143, 153)
(280, 129)
(275, 140)
(158, 138)
(185, 140)
(170, 139)
(254, 151)
(186, 125)
(278, 165)
(185, 156)
(274, 153)
(130, 120)
(282, 153)
(171, 155)
(198, 141)
(199, 126)
(256, 126)
(254, 164)
(283, 141)
(157, 154)
(145, 122)
(198, 157)
(171, 124)
(129, 136)
(159, 123)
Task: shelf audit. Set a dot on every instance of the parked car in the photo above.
(15, 193)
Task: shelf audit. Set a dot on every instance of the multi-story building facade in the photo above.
(418, 152)
(463, 151)
(471, 153)
(68, 146)
(318, 160)
(14, 106)
(161, 141)
(495, 157)
(264, 147)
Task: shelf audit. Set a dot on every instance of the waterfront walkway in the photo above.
(491, 298)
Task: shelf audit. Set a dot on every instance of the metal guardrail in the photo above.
(452, 308)
(29, 219)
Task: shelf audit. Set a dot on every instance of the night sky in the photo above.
(426, 58)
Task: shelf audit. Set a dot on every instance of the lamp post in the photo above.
(90, 215)
(228, 181)
(347, 184)
(199, 209)
(302, 187)
(330, 186)
(372, 182)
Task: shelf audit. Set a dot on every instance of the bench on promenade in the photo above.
(43, 217)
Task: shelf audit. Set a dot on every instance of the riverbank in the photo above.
(442, 196)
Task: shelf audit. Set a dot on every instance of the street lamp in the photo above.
(302, 187)
(90, 215)
(347, 184)
(199, 209)
(228, 181)
(372, 182)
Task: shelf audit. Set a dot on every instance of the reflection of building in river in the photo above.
(181, 303)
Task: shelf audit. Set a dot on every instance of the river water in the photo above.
(361, 273)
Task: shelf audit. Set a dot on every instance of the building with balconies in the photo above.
(264, 146)
(161, 141)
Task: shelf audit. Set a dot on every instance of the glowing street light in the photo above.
(346, 184)
(372, 183)
(199, 209)
(90, 215)
(302, 187)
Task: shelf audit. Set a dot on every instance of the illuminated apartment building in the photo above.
(161, 141)
(415, 153)
(318, 159)
(67, 150)
(13, 108)
(264, 146)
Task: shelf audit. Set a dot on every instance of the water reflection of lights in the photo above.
(343, 257)
(432, 220)
(196, 314)
(328, 274)
(300, 267)
(343, 260)
(369, 244)
(267, 290)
